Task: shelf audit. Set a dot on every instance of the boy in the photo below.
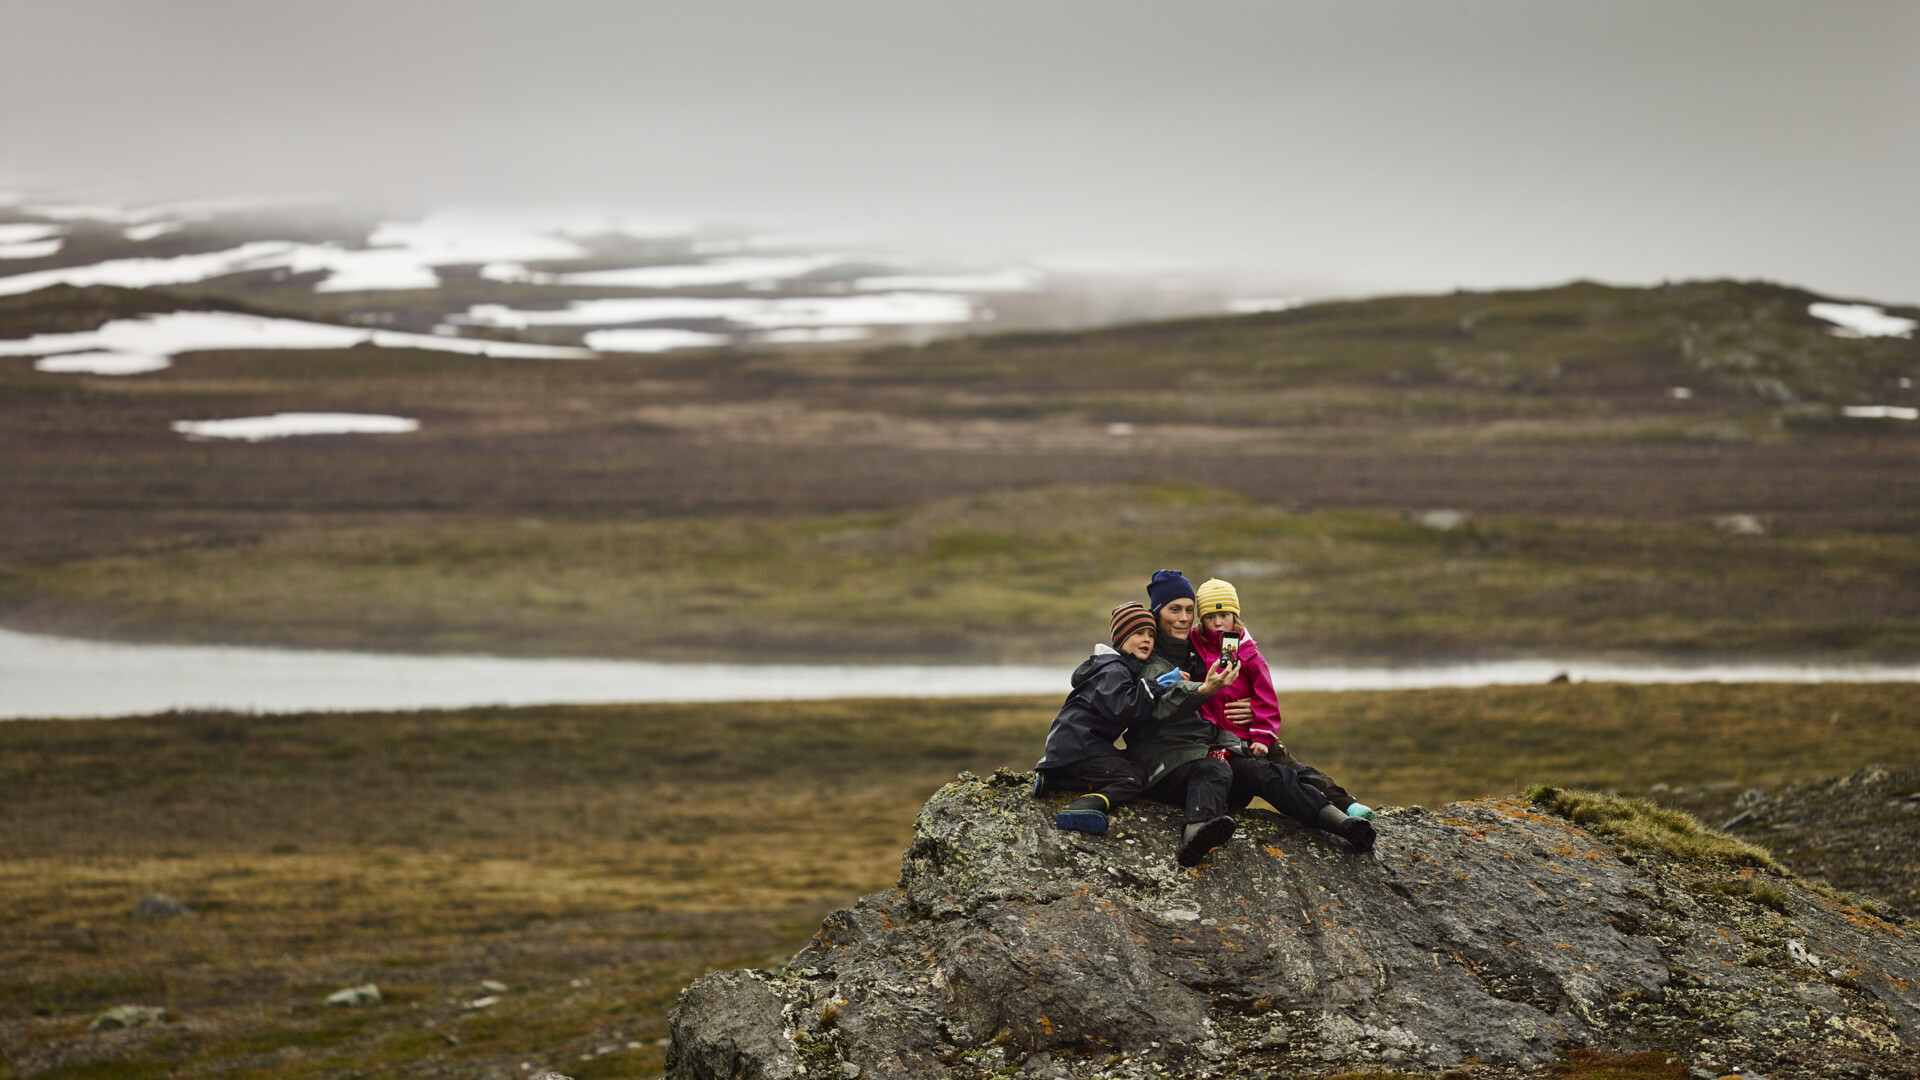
(1107, 698)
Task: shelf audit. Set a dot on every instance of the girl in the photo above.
(1248, 707)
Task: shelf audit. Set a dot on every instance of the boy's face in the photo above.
(1217, 622)
(1139, 644)
(1176, 618)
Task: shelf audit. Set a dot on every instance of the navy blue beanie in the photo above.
(1166, 587)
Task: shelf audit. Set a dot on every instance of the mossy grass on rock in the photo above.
(1637, 823)
(1488, 935)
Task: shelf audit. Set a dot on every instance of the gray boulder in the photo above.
(355, 996)
(128, 1016)
(160, 906)
(1488, 930)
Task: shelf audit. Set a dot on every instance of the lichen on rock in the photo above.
(1493, 932)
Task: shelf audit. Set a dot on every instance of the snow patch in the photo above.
(1257, 305)
(1881, 412)
(30, 240)
(652, 340)
(102, 363)
(151, 230)
(139, 342)
(285, 425)
(1862, 321)
(882, 309)
(32, 249)
(146, 273)
(737, 271)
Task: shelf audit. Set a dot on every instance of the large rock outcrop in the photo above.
(1488, 934)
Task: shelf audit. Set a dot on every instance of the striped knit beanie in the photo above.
(1216, 595)
(1128, 618)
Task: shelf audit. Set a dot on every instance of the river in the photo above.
(50, 677)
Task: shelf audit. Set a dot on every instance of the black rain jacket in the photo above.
(1108, 697)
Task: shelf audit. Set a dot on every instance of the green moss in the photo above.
(1641, 824)
(1768, 896)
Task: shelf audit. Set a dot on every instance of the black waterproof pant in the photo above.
(1314, 778)
(1200, 786)
(1120, 779)
(1279, 784)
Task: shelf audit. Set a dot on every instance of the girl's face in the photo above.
(1219, 622)
(1177, 618)
(1139, 644)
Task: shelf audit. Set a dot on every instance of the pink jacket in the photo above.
(1255, 683)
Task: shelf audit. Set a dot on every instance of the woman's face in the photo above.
(1177, 618)
(1218, 622)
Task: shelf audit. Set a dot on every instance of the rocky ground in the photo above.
(1861, 832)
(1489, 939)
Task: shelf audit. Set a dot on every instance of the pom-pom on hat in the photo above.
(1216, 595)
(1166, 587)
(1128, 618)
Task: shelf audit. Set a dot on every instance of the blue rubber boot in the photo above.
(1087, 814)
(1360, 810)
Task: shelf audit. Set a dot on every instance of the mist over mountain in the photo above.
(1398, 146)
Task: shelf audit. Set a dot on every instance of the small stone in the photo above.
(128, 1016)
(493, 987)
(483, 1002)
(849, 1071)
(160, 906)
(355, 996)
(1740, 525)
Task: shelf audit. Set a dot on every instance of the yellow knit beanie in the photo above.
(1216, 595)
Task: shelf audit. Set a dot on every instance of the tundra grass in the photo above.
(1004, 576)
(595, 860)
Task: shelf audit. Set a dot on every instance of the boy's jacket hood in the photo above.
(1104, 656)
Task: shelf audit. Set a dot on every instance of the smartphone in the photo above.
(1230, 646)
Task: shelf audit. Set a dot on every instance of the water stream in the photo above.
(48, 677)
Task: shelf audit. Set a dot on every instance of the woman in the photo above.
(1176, 745)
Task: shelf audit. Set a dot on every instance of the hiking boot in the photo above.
(1202, 837)
(1087, 814)
(1356, 831)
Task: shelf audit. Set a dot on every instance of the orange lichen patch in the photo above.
(1275, 852)
(1046, 1025)
(1528, 815)
(1563, 945)
(1862, 919)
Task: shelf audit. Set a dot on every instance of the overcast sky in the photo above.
(1354, 145)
